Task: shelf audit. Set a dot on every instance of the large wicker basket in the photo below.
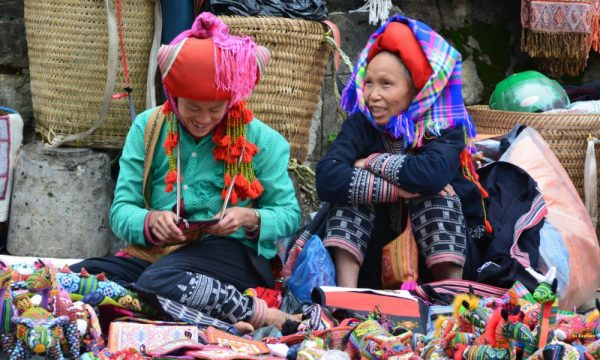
(68, 42)
(566, 134)
(289, 92)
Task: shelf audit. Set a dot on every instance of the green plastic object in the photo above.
(528, 91)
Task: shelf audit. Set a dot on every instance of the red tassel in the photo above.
(231, 160)
(234, 198)
(224, 141)
(252, 191)
(247, 116)
(242, 183)
(240, 105)
(247, 158)
(234, 113)
(220, 153)
(235, 151)
(223, 194)
(241, 141)
(488, 226)
(171, 177)
(255, 189)
(227, 179)
(252, 148)
(166, 108)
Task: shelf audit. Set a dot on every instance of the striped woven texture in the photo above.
(290, 89)
(67, 42)
(566, 134)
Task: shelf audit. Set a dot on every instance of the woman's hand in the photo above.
(447, 191)
(163, 225)
(235, 218)
(360, 163)
(403, 194)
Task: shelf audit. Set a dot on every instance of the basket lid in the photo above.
(528, 91)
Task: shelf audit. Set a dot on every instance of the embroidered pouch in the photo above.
(333, 336)
(213, 352)
(238, 344)
(175, 348)
(151, 334)
(400, 261)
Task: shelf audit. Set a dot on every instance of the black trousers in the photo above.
(207, 275)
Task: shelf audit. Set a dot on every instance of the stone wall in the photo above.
(14, 71)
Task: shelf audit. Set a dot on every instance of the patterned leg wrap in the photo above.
(439, 228)
(214, 298)
(350, 228)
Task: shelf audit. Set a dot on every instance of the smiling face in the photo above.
(388, 87)
(201, 117)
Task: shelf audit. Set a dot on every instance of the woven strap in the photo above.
(590, 180)
(333, 41)
(112, 66)
(335, 32)
(151, 135)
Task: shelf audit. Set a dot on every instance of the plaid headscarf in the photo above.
(436, 107)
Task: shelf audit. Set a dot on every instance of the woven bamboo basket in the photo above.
(68, 45)
(289, 91)
(566, 134)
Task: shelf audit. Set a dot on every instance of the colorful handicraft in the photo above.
(312, 349)
(39, 332)
(7, 311)
(371, 340)
(84, 283)
(41, 282)
(557, 350)
(84, 318)
(471, 318)
(504, 332)
(502, 328)
(545, 295)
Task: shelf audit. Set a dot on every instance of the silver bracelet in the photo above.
(257, 226)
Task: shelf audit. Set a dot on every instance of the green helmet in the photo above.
(528, 91)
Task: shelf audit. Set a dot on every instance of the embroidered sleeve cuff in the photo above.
(387, 166)
(366, 188)
(150, 239)
(374, 162)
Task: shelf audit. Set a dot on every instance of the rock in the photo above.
(16, 94)
(314, 138)
(472, 85)
(60, 203)
(331, 119)
(592, 72)
(12, 10)
(13, 47)
(456, 13)
(344, 5)
(354, 31)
